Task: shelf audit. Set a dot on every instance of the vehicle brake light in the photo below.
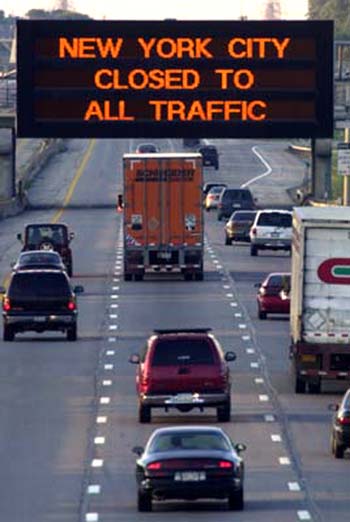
(344, 420)
(71, 305)
(253, 230)
(154, 466)
(6, 304)
(225, 464)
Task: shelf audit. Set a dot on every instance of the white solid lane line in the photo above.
(266, 173)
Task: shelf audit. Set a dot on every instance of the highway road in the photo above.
(68, 411)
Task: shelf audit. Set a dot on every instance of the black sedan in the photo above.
(340, 437)
(189, 463)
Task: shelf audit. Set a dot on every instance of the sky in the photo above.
(160, 9)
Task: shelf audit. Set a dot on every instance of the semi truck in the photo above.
(320, 297)
(163, 215)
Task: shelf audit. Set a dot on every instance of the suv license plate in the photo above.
(164, 255)
(189, 476)
(39, 319)
(275, 234)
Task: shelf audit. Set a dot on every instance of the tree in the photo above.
(337, 10)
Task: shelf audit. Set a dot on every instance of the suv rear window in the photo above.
(274, 219)
(242, 195)
(172, 352)
(40, 284)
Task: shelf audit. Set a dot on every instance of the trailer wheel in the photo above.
(127, 277)
(300, 385)
(138, 277)
(199, 276)
(188, 276)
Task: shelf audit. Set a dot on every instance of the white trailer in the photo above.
(320, 296)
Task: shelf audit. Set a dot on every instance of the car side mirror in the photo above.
(138, 450)
(239, 447)
(333, 407)
(19, 237)
(230, 356)
(78, 289)
(257, 285)
(2, 290)
(71, 236)
(134, 358)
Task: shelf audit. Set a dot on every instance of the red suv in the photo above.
(183, 369)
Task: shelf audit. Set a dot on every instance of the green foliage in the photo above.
(337, 10)
(58, 14)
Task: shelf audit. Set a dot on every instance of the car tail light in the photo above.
(154, 466)
(6, 305)
(253, 230)
(71, 305)
(225, 464)
(344, 421)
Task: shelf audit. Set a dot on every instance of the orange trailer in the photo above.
(163, 219)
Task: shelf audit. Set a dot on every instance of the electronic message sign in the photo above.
(223, 79)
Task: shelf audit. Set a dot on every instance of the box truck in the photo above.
(163, 215)
(320, 296)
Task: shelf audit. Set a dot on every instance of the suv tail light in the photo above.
(6, 305)
(254, 231)
(71, 305)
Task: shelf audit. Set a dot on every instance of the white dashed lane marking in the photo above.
(112, 339)
(284, 461)
(304, 515)
(275, 437)
(113, 316)
(107, 383)
(105, 400)
(101, 419)
(94, 489)
(269, 418)
(264, 398)
(254, 365)
(99, 440)
(97, 463)
(110, 352)
(259, 380)
(293, 486)
(108, 366)
(91, 517)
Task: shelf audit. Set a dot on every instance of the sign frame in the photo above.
(46, 100)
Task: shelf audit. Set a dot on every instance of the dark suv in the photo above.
(49, 236)
(210, 156)
(234, 199)
(183, 369)
(40, 300)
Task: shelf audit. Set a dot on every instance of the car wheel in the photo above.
(144, 502)
(253, 250)
(216, 166)
(188, 276)
(224, 412)
(199, 276)
(70, 270)
(144, 414)
(138, 277)
(337, 449)
(236, 500)
(300, 385)
(127, 277)
(9, 333)
(72, 333)
(262, 314)
(228, 241)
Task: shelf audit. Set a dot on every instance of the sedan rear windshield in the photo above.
(243, 216)
(174, 352)
(274, 219)
(189, 441)
(39, 285)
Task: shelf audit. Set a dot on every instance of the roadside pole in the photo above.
(343, 167)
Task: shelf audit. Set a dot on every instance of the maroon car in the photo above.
(273, 296)
(183, 369)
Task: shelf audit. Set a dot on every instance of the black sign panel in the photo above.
(224, 79)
